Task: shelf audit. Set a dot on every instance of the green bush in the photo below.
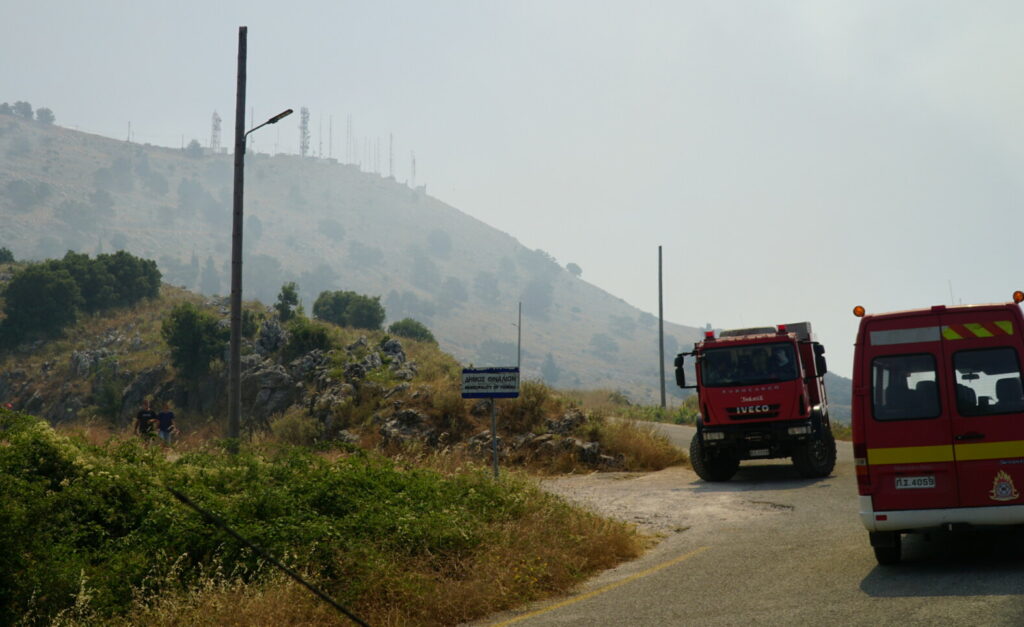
(77, 517)
(348, 309)
(305, 335)
(40, 300)
(412, 329)
(195, 338)
(6, 256)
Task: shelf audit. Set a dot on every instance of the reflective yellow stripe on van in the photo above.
(989, 450)
(910, 454)
(977, 329)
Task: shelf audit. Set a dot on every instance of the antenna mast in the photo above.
(215, 133)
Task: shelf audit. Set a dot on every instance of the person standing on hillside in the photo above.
(145, 420)
(165, 423)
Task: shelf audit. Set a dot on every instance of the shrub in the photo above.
(40, 299)
(296, 427)
(348, 309)
(195, 339)
(305, 335)
(536, 401)
(6, 256)
(412, 329)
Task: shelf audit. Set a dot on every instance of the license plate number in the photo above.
(915, 483)
(759, 452)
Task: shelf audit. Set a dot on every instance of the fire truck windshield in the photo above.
(753, 364)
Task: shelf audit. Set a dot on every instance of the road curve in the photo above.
(771, 548)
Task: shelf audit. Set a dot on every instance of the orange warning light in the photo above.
(858, 311)
(1018, 296)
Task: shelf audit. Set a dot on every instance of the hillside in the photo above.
(327, 226)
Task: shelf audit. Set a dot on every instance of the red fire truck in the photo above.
(762, 395)
(938, 420)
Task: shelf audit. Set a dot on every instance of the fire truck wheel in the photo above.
(721, 467)
(817, 458)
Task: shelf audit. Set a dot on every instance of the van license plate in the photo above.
(912, 483)
(759, 452)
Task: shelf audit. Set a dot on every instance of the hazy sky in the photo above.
(794, 159)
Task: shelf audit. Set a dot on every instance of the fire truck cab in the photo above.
(762, 396)
(938, 420)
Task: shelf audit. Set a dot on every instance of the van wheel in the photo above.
(816, 458)
(889, 552)
(720, 467)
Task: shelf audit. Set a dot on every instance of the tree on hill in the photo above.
(6, 109)
(23, 109)
(195, 339)
(287, 301)
(45, 115)
(574, 269)
(348, 309)
(194, 150)
(6, 256)
(412, 329)
(41, 299)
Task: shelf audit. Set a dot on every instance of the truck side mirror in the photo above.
(681, 373)
(819, 359)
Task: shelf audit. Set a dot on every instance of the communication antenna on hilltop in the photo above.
(215, 133)
(376, 157)
(303, 131)
(348, 140)
(414, 170)
(320, 133)
(391, 155)
(330, 137)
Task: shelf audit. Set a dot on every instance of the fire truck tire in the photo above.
(817, 458)
(889, 553)
(719, 468)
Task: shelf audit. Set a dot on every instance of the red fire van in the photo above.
(938, 420)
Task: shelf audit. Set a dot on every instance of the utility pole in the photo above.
(661, 332)
(235, 354)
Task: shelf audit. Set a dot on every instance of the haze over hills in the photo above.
(327, 226)
(330, 226)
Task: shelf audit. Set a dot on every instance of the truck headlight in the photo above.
(714, 435)
(803, 430)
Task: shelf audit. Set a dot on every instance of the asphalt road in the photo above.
(771, 548)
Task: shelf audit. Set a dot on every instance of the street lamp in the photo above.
(235, 354)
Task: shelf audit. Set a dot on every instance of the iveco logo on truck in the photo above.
(782, 370)
(938, 420)
(752, 409)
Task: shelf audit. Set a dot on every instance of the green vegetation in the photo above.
(412, 329)
(195, 339)
(42, 299)
(287, 301)
(89, 534)
(349, 309)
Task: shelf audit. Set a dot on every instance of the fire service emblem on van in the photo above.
(1002, 488)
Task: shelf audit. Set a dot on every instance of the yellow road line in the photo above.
(611, 586)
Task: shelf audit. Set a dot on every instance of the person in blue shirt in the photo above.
(166, 428)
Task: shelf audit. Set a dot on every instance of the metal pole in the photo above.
(235, 355)
(494, 435)
(519, 339)
(661, 332)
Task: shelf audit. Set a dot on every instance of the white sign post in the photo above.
(491, 383)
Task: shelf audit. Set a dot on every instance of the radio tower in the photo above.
(414, 170)
(215, 133)
(391, 155)
(303, 131)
